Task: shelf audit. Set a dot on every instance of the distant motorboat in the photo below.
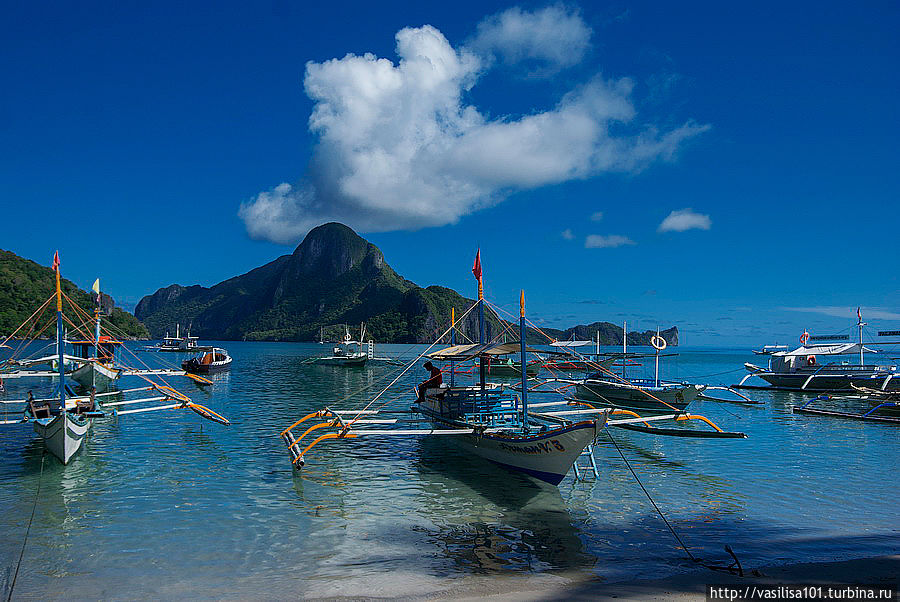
(215, 360)
(770, 349)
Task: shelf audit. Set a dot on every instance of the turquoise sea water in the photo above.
(165, 504)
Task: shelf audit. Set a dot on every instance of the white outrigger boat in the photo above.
(350, 353)
(499, 423)
(808, 368)
(64, 420)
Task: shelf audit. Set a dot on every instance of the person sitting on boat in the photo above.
(433, 382)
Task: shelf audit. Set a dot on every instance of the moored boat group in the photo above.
(532, 408)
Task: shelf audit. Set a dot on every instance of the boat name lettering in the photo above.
(889, 333)
(831, 337)
(541, 447)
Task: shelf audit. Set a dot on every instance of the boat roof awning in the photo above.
(571, 343)
(827, 349)
(467, 352)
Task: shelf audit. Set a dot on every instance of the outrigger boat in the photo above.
(64, 420)
(346, 353)
(643, 394)
(879, 406)
(504, 366)
(804, 369)
(574, 361)
(493, 421)
(350, 353)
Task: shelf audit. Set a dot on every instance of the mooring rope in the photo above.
(694, 559)
(37, 496)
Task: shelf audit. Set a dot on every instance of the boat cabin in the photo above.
(216, 355)
(108, 350)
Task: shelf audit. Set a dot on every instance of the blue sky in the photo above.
(133, 135)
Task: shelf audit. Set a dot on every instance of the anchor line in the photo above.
(37, 496)
(694, 559)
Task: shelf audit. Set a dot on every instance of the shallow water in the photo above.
(162, 504)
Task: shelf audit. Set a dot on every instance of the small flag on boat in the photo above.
(96, 289)
(476, 269)
(858, 315)
(55, 266)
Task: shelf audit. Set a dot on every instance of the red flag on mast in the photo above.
(55, 265)
(476, 269)
(858, 315)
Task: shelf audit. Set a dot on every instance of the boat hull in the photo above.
(504, 369)
(64, 434)
(342, 361)
(546, 456)
(195, 367)
(95, 374)
(633, 397)
(822, 380)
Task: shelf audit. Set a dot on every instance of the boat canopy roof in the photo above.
(467, 352)
(571, 343)
(826, 349)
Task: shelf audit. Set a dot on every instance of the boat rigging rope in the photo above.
(694, 559)
(37, 496)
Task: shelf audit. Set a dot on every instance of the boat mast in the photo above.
(60, 343)
(657, 356)
(452, 343)
(859, 325)
(476, 269)
(624, 346)
(522, 360)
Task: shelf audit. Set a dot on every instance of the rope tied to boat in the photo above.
(734, 568)
(37, 496)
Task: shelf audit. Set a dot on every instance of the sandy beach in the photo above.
(883, 570)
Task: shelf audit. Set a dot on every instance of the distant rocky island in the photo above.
(333, 277)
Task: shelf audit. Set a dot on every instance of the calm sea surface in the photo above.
(165, 504)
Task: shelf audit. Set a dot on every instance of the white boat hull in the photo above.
(95, 374)
(63, 435)
(547, 456)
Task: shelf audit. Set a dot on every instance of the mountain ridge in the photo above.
(334, 276)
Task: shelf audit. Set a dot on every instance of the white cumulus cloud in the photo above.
(400, 148)
(552, 38)
(684, 219)
(596, 216)
(567, 234)
(600, 241)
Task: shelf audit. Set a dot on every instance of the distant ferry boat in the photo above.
(178, 343)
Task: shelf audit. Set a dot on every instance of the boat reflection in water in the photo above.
(485, 523)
